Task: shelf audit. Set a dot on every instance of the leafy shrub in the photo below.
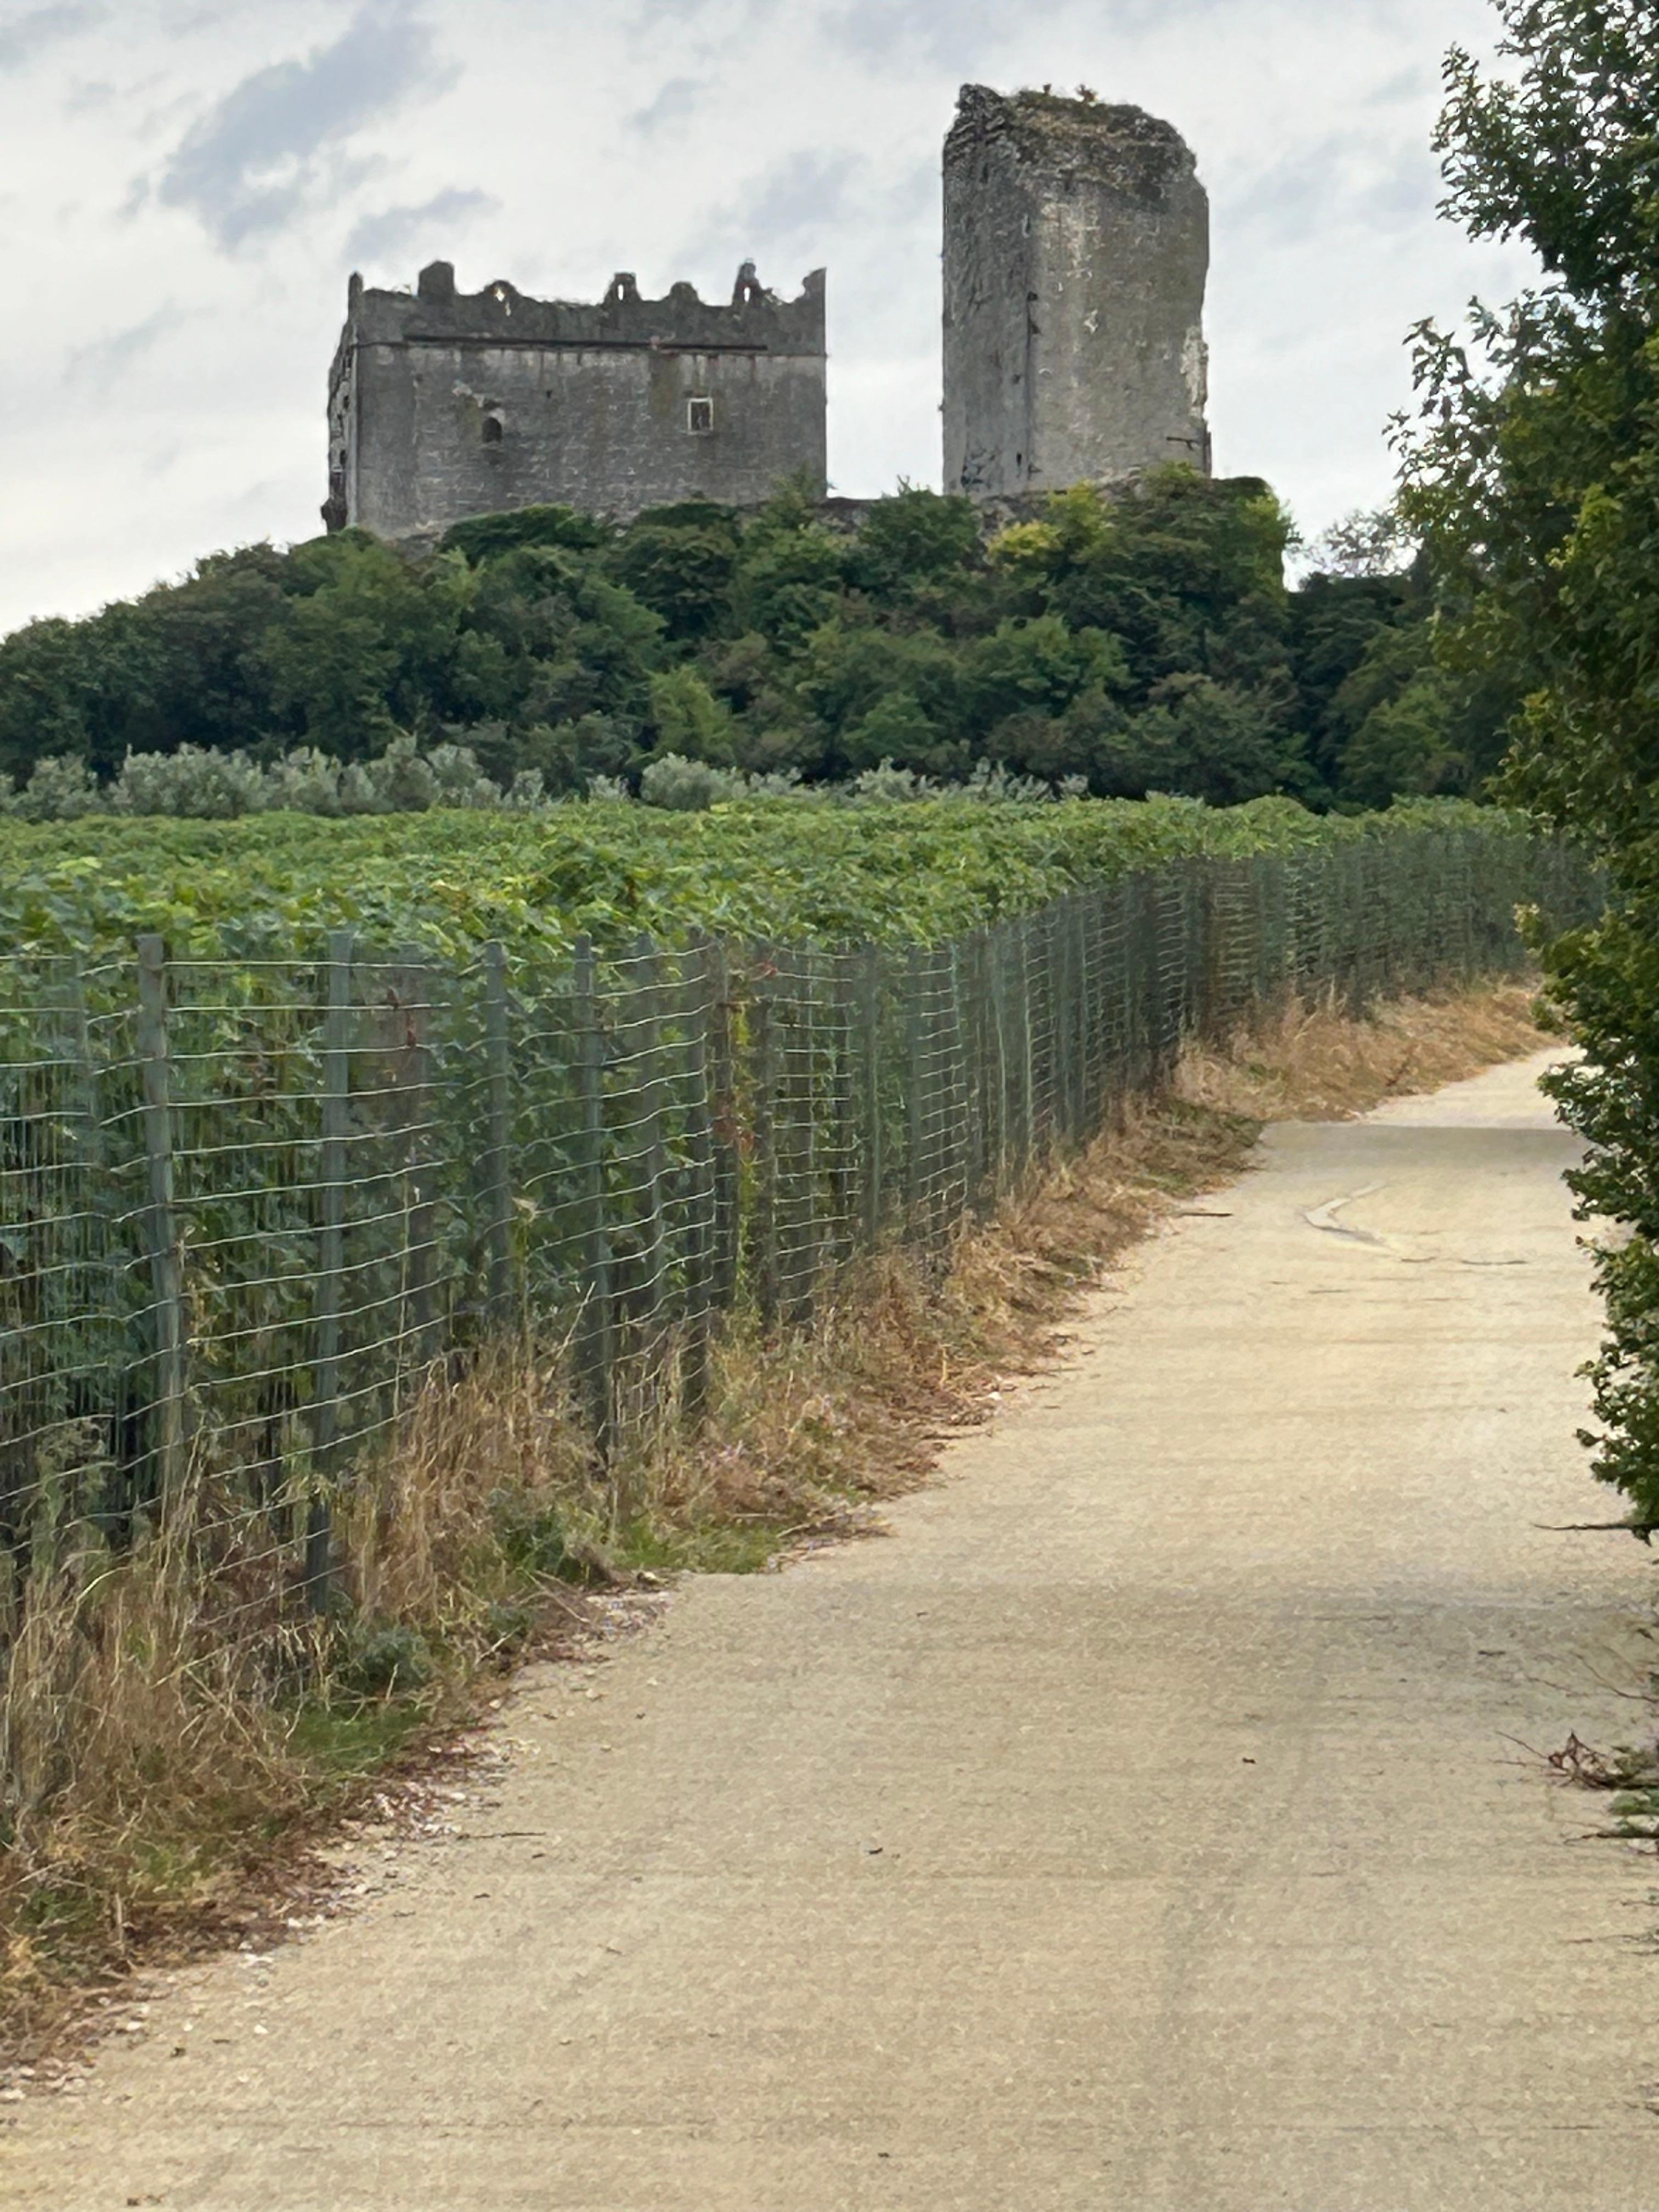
(685, 787)
(535, 1537)
(195, 785)
(193, 782)
(887, 785)
(306, 780)
(59, 789)
(382, 1658)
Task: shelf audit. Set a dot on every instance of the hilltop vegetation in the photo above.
(1142, 644)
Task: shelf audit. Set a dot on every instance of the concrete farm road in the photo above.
(1142, 1825)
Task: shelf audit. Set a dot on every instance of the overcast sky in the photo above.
(185, 185)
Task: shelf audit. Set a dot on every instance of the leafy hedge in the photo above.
(781, 868)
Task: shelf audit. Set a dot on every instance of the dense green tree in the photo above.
(1331, 623)
(1139, 641)
(1187, 571)
(363, 646)
(787, 580)
(852, 669)
(688, 720)
(487, 537)
(914, 542)
(681, 562)
(1533, 465)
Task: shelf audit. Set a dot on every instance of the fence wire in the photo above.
(246, 1205)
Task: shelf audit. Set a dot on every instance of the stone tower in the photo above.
(1077, 241)
(444, 405)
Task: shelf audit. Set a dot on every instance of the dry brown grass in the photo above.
(420, 1540)
(159, 1761)
(1312, 1061)
(134, 1742)
(168, 1744)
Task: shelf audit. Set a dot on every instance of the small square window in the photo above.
(700, 415)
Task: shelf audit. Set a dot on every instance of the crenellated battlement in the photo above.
(754, 320)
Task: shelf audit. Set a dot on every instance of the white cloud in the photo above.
(177, 339)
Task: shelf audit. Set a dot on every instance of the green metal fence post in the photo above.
(412, 985)
(762, 1026)
(976, 1069)
(915, 1066)
(696, 994)
(869, 1005)
(844, 1108)
(331, 1265)
(728, 1170)
(498, 1159)
(800, 1089)
(1001, 1023)
(161, 1226)
(649, 1087)
(596, 1337)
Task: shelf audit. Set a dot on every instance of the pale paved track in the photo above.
(1177, 1714)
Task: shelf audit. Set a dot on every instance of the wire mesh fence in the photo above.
(246, 1205)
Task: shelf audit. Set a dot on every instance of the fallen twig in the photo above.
(1641, 1529)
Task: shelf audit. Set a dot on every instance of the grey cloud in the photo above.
(795, 199)
(915, 196)
(1410, 84)
(1318, 188)
(948, 32)
(649, 14)
(45, 26)
(955, 32)
(391, 233)
(1399, 201)
(94, 363)
(780, 220)
(676, 101)
(250, 163)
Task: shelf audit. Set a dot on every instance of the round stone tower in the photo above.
(1076, 242)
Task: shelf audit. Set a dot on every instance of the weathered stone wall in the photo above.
(443, 405)
(1076, 251)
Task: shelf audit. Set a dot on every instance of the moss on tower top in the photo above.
(1136, 153)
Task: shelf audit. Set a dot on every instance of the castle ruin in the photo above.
(444, 405)
(1076, 250)
(1076, 243)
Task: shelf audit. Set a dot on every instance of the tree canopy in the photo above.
(1144, 641)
